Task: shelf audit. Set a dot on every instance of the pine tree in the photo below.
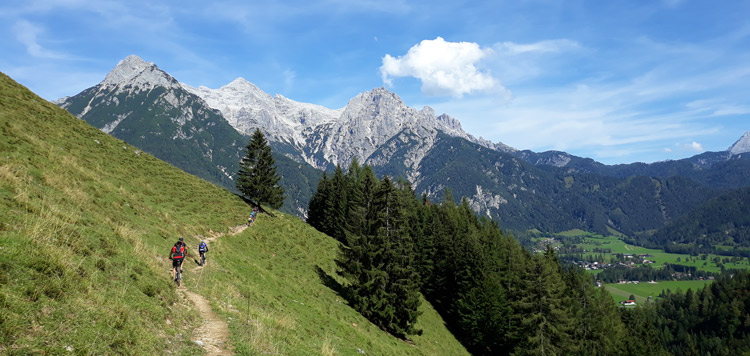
(257, 179)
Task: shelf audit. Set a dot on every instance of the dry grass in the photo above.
(328, 349)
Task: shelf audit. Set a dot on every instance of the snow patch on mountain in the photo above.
(741, 146)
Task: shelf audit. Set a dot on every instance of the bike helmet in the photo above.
(203, 241)
(182, 239)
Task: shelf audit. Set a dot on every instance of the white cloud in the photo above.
(599, 120)
(27, 34)
(289, 76)
(443, 67)
(545, 46)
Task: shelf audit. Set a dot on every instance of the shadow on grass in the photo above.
(331, 282)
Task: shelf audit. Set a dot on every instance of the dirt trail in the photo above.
(213, 334)
(212, 236)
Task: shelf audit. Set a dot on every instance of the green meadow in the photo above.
(643, 290)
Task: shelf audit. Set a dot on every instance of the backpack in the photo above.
(178, 251)
(202, 247)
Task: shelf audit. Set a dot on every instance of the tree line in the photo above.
(494, 295)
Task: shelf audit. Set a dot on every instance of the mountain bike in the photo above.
(203, 258)
(178, 276)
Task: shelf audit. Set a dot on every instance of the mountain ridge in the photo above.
(525, 189)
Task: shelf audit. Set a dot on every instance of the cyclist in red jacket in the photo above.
(177, 255)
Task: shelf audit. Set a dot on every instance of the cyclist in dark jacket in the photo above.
(177, 255)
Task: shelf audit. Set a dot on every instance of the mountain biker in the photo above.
(177, 255)
(202, 249)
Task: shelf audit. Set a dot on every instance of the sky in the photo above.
(617, 81)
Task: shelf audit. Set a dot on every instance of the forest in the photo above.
(494, 295)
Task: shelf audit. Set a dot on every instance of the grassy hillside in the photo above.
(87, 222)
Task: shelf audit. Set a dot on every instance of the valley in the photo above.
(596, 254)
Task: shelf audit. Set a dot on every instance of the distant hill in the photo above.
(524, 196)
(87, 221)
(713, 169)
(724, 220)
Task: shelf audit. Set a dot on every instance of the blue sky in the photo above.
(617, 81)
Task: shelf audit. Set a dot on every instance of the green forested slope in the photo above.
(724, 220)
(87, 222)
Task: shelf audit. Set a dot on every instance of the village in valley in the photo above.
(632, 271)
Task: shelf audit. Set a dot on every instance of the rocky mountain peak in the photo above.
(741, 146)
(135, 72)
(378, 96)
(375, 104)
(242, 84)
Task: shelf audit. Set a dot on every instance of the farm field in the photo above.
(706, 262)
(642, 290)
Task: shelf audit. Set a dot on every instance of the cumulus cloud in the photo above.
(695, 146)
(445, 68)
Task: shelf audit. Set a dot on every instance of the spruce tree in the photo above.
(403, 279)
(378, 261)
(335, 208)
(257, 179)
(545, 310)
(316, 208)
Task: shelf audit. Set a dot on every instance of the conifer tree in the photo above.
(545, 311)
(335, 208)
(359, 199)
(394, 306)
(378, 261)
(257, 179)
(315, 210)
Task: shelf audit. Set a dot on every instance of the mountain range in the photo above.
(203, 131)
